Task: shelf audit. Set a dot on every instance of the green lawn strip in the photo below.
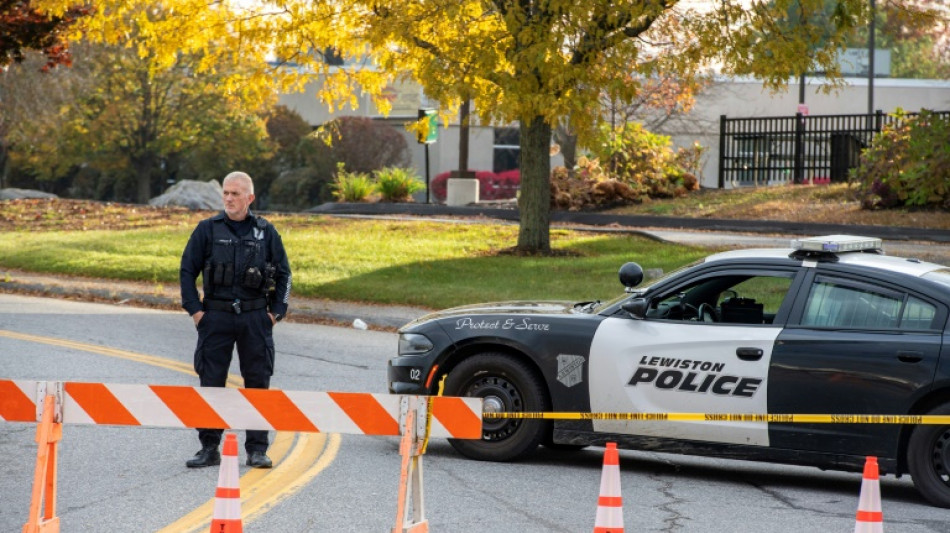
(724, 203)
(430, 264)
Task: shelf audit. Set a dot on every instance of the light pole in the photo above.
(871, 32)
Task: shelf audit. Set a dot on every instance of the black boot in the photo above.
(207, 456)
(259, 460)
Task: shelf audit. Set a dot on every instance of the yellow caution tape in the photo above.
(425, 441)
(733, 417)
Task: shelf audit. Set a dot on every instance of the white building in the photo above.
(407, 99)
(738, 98)
(734, 98)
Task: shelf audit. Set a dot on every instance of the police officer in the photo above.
(246, 281)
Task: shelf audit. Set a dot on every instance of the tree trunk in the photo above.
(144, 169)
(534, 202)
(568, 143)
(4, 166)
(144, 188)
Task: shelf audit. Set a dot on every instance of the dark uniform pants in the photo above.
(218, 333)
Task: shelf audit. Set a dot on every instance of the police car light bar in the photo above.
(838, 243)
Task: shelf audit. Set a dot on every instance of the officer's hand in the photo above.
(273, 321)
(197, 316)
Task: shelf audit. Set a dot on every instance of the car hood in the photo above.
(496, 308)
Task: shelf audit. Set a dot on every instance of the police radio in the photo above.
(270, 278)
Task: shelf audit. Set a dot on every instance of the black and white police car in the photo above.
(830, 326)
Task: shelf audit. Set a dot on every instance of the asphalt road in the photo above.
(134, 479)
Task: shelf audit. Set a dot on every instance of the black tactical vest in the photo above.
(235, 269)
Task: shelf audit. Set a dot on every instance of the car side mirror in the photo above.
(630, 275)
(637, 307)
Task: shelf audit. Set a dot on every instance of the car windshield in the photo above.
(941, 276)
(641, 289)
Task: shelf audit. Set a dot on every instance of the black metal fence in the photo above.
(797, 149)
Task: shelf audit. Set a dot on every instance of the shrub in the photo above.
(362, 144)
(299, 189)
(286, 128)
(646, 162)
(907, 164)
(589, 186)
(690, 159)
(396, 184)
(491, 186)
(352, 186)
(501, 186)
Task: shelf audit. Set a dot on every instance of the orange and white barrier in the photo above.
(226, 408)
(870, 518)
(53, 403)
(410, 502)
(49, 431)
(227, 497)
(610, 504)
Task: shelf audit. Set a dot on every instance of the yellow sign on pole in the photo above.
(431, 126)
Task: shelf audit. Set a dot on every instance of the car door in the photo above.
(854, 345)
(673, 362)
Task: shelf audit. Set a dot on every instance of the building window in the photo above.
(507, 150)
(332, 57)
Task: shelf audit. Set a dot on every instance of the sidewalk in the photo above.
(908, 242)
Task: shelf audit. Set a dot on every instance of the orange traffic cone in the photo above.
(227, 498)
(870, 519)
(609, 505)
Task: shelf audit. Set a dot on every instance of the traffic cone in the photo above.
(609, 505)
(870, 519)
(227, 498)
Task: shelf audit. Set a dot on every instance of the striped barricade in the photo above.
(51, 404)
(226, 408)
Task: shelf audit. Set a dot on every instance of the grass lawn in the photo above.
(411, 262)
(832, 204)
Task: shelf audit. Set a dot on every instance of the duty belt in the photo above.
(235, 306)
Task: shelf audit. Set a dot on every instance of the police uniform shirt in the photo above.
(199, 245)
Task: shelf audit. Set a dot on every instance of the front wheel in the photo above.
(928, 459)
(505, 385)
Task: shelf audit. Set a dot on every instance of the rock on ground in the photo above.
(192, 194)
(16, 194)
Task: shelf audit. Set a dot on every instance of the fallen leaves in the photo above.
(59, 214)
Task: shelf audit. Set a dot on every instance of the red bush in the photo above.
(491, 186)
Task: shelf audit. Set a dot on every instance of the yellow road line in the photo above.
(289, 478)
(178, 366)
(297, 461)
(254, 483)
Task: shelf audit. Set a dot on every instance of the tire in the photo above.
(928, 459)
(507, 385)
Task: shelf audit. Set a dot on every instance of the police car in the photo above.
(830, 326)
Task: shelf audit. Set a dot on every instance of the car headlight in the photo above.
(413, 344)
